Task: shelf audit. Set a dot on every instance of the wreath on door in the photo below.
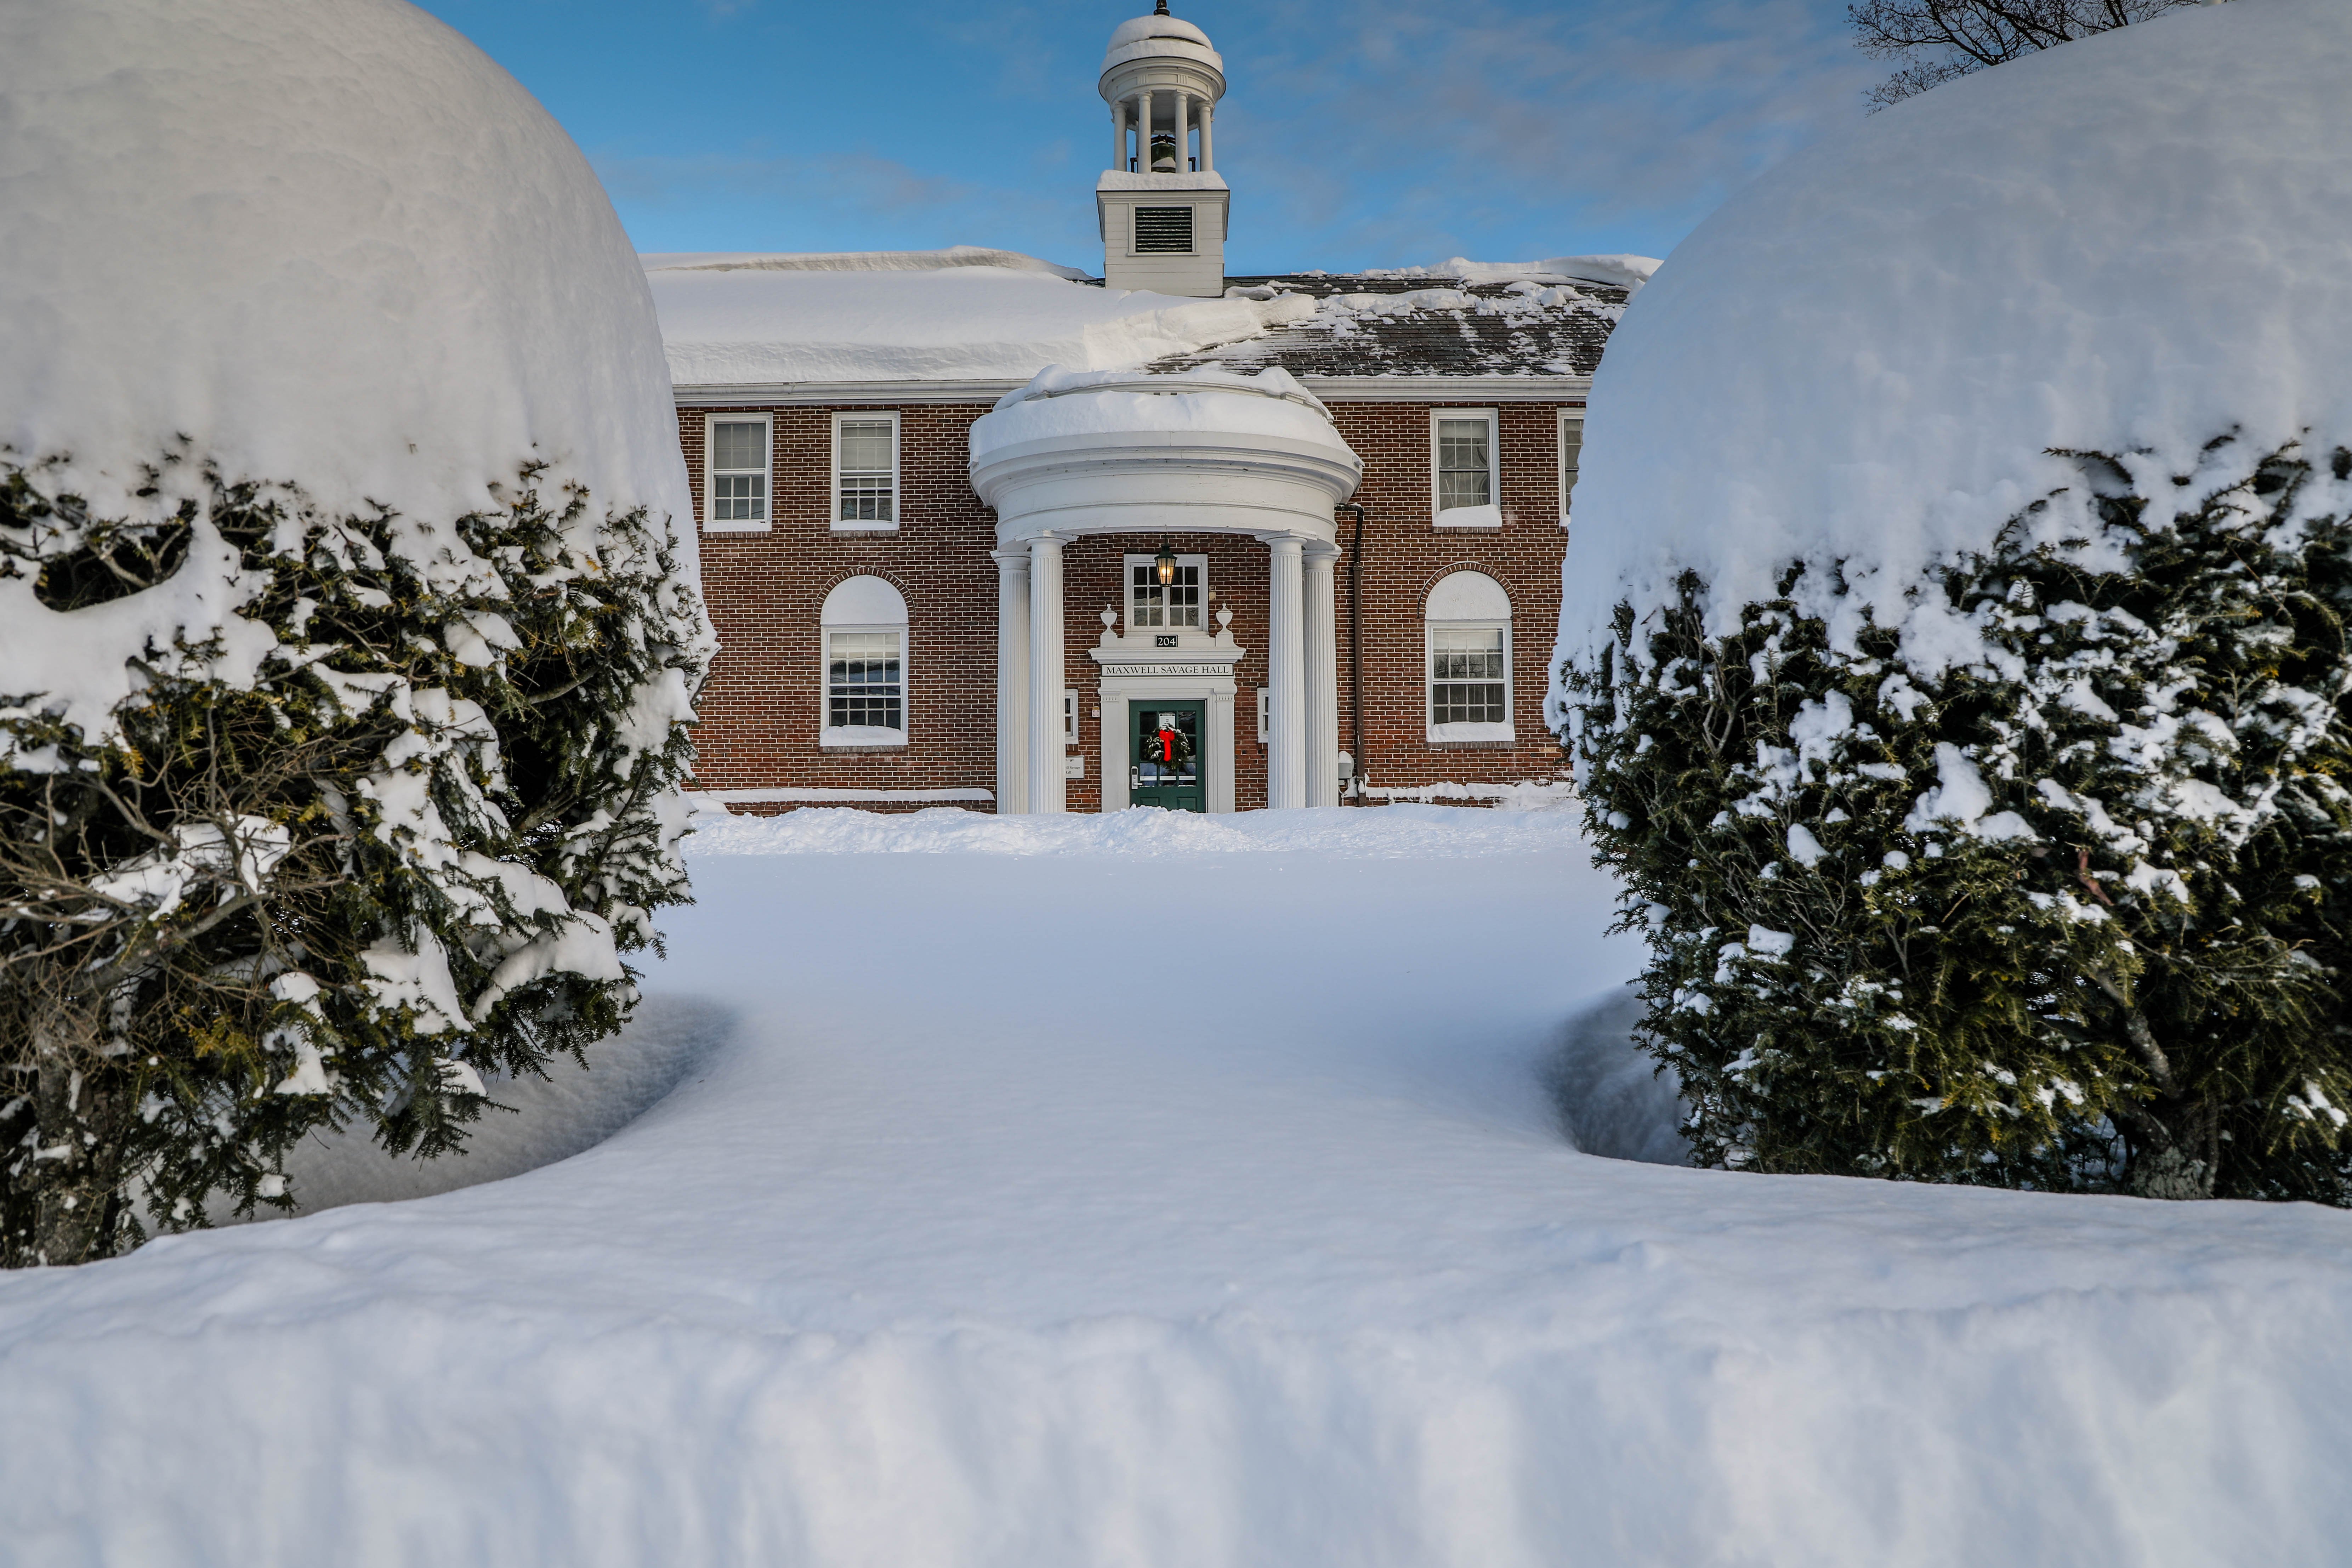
(1166, 745)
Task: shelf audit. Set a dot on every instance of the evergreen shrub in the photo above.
(2063, 911)
(380, 825)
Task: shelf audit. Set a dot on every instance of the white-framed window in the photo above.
(1265, 712)
(866, 471)
(735, 472)
(1571, 452)
(1070, 736)
(1462, 468)
(863, 629)
(1468, 620)
(1180, 605)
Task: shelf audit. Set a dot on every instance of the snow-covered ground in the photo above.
(1151, 1191)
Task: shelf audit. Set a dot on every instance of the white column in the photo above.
(1183, 130)
(1118, 134)
(1322, 679)
(1143, 133)
(1012, 681)
(1208, 119)
(1285, 668)
(1047, 772)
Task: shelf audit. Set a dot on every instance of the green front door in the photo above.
(1163, 755)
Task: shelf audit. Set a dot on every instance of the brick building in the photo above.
(982, 531)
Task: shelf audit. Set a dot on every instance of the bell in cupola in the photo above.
(1163, 153)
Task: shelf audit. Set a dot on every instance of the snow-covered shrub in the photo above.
(2068, 914)
(347, 625)
(385, 826)
(1954, 615)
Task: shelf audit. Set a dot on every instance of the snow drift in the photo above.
(965, 1250)
(2136, 242)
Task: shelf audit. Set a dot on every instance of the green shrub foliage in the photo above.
(379, 826)
(2065, 912)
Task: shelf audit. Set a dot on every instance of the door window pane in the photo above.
(1167, 746)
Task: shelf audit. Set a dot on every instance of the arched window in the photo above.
(864, 675)
(1469, 628)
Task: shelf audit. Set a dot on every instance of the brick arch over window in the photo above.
(1429, 580)
(1466, 618)
(864, 600)
(864, 664)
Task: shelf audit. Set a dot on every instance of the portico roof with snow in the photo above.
(1125, 452)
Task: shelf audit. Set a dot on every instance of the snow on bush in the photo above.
(1953, 640)
(346, 642)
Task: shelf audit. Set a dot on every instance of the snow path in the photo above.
(1176, 1208)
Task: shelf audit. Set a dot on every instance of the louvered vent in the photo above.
(1164, 229)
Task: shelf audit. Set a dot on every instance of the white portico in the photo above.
(1154, 455)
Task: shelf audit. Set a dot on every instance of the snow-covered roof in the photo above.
(856, 261)
(1166, 180)
(1136, 29)
(1141, 37)
(971, 314)
(1067, 403)
(2136, 242)
(1629, 272)
(1429, 324)
(1124, 451)
(330, 243)
(742, 320)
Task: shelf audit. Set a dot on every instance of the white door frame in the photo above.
(1198, 675)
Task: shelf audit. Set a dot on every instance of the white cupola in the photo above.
(1161, 205)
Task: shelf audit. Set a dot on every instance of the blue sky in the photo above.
(1355, 132)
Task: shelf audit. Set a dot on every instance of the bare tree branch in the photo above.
(1935, 41)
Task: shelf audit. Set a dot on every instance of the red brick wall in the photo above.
(1404, 557)
(762, 708)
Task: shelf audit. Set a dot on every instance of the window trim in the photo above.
(861, 737)
(1479, 734)
(1567, 416)
(838, 524)
(1437, 417)
(712, 521)
(1127, 566)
